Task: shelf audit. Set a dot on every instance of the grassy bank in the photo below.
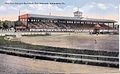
(20, 44)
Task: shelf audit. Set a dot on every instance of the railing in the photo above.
(58, 56)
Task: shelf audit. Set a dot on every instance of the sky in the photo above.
(101, 9)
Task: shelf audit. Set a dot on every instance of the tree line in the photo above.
(8, 24)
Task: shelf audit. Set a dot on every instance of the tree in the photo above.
(1, 24)
(18, 23)
(5, 26)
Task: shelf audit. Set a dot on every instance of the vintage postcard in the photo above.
(59, 36)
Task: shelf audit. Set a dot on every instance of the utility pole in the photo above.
(19, 16)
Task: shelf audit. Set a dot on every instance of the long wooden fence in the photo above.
(89, 57)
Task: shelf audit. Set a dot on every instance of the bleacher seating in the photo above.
(50, 25)
(103, 26)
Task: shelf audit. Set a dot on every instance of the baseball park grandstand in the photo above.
(84, 49)
(35, 22)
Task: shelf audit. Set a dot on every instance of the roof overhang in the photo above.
(66, 18)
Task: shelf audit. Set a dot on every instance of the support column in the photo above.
(73, 22)
(55, 60)
(80, 23)
(34, 57)
(108, 65)
(108, 27)
(86, 63)
(73, 61)
(113, 26)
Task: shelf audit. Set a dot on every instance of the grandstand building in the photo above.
(35, 22)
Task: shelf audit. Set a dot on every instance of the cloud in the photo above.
(46, 9)
(100, 10)
(54, 10)
(89, 9)
(6, 8)
(8, 1)
(12, 18)
(98, 5)
(102, 6)
(2, 8)
(25, 11)
(114, 6)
